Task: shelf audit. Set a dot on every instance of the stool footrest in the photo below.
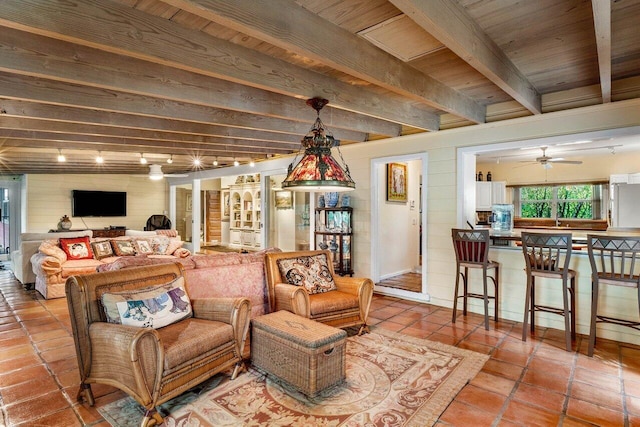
(472, 295)
(549, 309)
(622, 322)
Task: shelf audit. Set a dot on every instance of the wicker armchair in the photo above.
(152, 365)
(347, 306)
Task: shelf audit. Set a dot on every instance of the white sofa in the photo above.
(29, 244)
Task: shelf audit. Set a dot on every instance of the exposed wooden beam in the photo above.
(35, 110)
(290, 26)
(112, 143)
(448, 22)
(126, 31)
(34, 55)
(58, 93)
(134, 134)
(602, 24)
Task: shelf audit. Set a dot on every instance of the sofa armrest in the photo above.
(233, 311)
(181, 253)
(361, 287)
(136, 352)
(45, 265)
(292, 298)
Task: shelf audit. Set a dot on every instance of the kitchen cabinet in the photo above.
(245, 212)
(489, 193)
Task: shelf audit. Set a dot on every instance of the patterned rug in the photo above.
(392, 380)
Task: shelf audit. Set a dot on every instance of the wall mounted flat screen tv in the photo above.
(98, 203)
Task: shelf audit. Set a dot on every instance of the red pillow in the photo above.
(77, 248)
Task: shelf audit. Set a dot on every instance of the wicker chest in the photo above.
(305, 354)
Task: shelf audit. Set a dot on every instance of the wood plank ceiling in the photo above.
(225, 80)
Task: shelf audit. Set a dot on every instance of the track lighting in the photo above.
(61, 157)
(197, 162)
(236, 163)
(170, 159)
(215, 162)
(143, 161)
(99, 158)
(252, 163)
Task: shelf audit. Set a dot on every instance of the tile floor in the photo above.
(524, 383)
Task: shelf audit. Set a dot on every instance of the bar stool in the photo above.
(543, 256)
(472, 251)
(614, 261)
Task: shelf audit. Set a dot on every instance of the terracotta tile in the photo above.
(632, 388)
(493, 383)
(599, 365)
(475, 346)
(426, 326)
(17, 351)
(69, 378)
(550, 367)
(48, 335)
(541, 397)
(445, 339)
(481, 399)
(20, 362)
(597, 378)
(27, 390)
(64, 418)
(597, 395)
(21, 375)
(36, 407)
(51, 344)
(530, 415)
(460, 414)
(503, 369)
(89, 415)
(541, 379)
(593, 413)
(634, 421)
(515, 358)
(390, 326)
(59, 353)
(633, 405)
(574, 422)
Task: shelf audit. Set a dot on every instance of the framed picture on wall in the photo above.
(397, 182)
(225, 204)
(284, 199)
(189, 204)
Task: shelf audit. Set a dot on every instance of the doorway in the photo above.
(398, 244)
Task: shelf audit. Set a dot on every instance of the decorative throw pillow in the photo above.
(123, 247)
(174, 244)
(159, 244)
(151, 307)
(143, 247)
(312, 272)
(77, 248)
(102, 249)
(52, 248)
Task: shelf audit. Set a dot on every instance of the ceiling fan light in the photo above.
(547, 165)
(155, 172)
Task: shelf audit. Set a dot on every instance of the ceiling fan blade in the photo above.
(567, 162)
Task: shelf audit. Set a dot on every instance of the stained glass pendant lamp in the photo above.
(318, 170)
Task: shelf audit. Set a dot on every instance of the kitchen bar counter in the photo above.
(578, 236)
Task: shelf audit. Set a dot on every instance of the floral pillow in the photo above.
(77, 248)
(312, 272)
(123, 247)
(102, 249)
(151, 307)
(159, 244)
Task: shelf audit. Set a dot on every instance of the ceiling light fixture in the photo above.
(61, 157)
(236, 163)
(99, 158)
(252, 164)
(170, 159)
(197, 162)
(317, 170)
(215, 162)
(155, 172)
(143, 161)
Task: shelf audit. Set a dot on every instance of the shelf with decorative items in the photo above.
(334, 231)
(245, 212)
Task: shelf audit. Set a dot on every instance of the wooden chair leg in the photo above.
(594, 311)
(567, 319)
(486, 299)
(527, 308)
(85, 393)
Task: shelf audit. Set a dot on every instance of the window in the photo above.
(574, 201)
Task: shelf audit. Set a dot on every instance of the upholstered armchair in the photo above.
(297, 283)
(184, 342)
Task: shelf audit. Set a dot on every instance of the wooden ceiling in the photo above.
(215, 79)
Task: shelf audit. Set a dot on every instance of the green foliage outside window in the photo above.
(570, 201)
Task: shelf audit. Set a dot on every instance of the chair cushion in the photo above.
(184, 341)
(312, 272)
(77, 248)
(330, 302)
(151, 307)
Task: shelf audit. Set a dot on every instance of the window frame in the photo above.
(599, 200)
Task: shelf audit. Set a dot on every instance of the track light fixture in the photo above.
(197, 162)
(61, 157)
(236, 163)
(99, 158)
(170, 159)
(143, 161)
(215, 162)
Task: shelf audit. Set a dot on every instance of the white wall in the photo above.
(49, 198)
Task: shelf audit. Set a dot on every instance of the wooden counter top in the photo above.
(578, 236)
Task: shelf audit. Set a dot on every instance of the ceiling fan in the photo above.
(546, 161)
(155, 173)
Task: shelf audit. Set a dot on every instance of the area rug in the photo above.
(392, 380)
